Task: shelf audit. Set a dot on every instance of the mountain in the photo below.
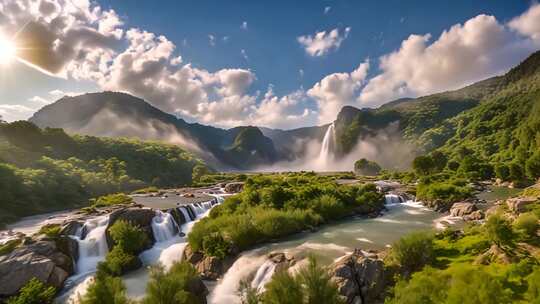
(114, 114)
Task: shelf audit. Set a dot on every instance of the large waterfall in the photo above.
(92, 244)
(326, 154)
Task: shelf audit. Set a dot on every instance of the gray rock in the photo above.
(141, 217)
(462, 209)
(519, 204)
(70, 228)
(234, 187)
(360, 279)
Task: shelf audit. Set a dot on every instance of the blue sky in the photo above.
(225, 80)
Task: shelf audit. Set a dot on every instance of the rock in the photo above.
(69, 247)
(234, 187)
(191, 256)
(360, 279)
(141, 217)
(438, 205)
(209, 268)
(40, 259)
(462, 208)
(519, 204)
(494, 255)
(70, 228)
(199, 289)
(475, 216)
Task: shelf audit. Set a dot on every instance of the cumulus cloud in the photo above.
(13, 112)
(323, 42)
(479, 48)
(337, 90)
(528, 23)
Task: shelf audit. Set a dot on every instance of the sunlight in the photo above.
(8, 50)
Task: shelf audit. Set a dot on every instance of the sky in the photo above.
(279, 64)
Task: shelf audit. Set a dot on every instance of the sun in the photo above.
(8, 50)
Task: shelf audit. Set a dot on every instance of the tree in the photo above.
(498, 230)
(502, 171)
(318, 285)
(199, 171)
(527, 223)
(173, 286)
(34, 292)
(283, 289)
(423, 165)
(105, 289)
(516, 172)
(413, 251)
(532, 166)
(439, 160)
(366, 167)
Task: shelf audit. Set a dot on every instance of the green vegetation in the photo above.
(312, 285)
(43, 170)
(273, 206)
(50, 230)
(105, 289)
(129, 241)
(8, 246)
(414, 251)
(366, 167)
(34, 292)
(173, 286)
(447, 191)
(111, 200)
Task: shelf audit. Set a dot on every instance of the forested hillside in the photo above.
(43, 170)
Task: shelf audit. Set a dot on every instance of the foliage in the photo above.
(498, 230)
(273, 206)
(9, 246)
(532, 167)
(423, 165)
(132, 239)
(446, 191)
(50, 230)
(34, 292)
(533, 290)
(527, 223)
(118, 261)
(111, 200)
(173, 286)
(366, 167)
(105, 289)
(283, 289)
(413, 251)
(199, 171)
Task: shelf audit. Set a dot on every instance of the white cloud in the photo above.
(212, 40)
(478, 49)
(528, 23)
(337, 90)
(327, 9)
(244, 54)
(322, 42)
(244, 26)
(10, 112)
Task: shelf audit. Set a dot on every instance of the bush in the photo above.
(498, 230)
(118, 261)
(131, 239)
(532, 166)
(283, 289)
(445, 191)
(423, 165)
(329, 207)
(50, 230)
(111, 199)
(34, 292)
(366, 167)
(215, 245)
(318, 285)
(502, 171)
(9, 246)
(105, 289)
(173, 286)
(413, 251)
(527, 223)
(533, 289)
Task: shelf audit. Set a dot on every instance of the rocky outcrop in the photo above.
(199, 289)
(462, 208)
(40, 258)
(141, 217)
(234, 187)
(360, 278)
(475, 216)
(209, 267)
(519, 204)
(495, 254)
(439, 205)
(282, 260)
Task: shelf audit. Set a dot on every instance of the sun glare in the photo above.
(8, 50)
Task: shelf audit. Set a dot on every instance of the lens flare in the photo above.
(8, 50)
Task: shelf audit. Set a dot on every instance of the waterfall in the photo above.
(163, 226)
(184, 211)
(93, 244)
(327, 147)
(391, 199)
(263, 276)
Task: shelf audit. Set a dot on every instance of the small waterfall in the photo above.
(327, 147)
(392, 199)
(93, 245)
(163, 226)
(263, 276)
(184, 211)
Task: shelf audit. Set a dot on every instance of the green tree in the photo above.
(517, 173)
(532, 166)
(199, 170)
(498, 230)
(502, 171)
(318, 285)
(366, 167)
(413, 251)
(527, 223)
(423, 165)
(34, 292)
(132, 239)
(533, 289)
(283, 289)
(173, 286)
(105, 289)
(439, 160)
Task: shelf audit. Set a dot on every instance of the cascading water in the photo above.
(263, 276)
(327, 147)
(391, 199)
(163, 226)
(93, 244)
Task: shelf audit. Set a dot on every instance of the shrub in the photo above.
(502, 171)
(423, 165)
(533, 289)
(426, 286)
(9, 246)
(130, 238)
(318, 286)
(118, 261)
(50, 230)
(366, 167)
(445, 191)
(532, 166)
(173, 286)
(34, 292)
(329, 207)
(413, 251)
(105, 289)
(111, 199)
(215, 245)
(498, 230)
(527, 223)
(283, 289)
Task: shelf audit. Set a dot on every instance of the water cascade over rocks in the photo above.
(391, 199)
(163, 226)
(92, 244)
(263, 276)
(327, 148)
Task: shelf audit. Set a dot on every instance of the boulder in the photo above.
(209, 268)
(71, 227)
(360, 279)
(475, 216)
(68, 246)
(519, 204)
(462, 208)
(438, 205)
(141, 217)
(234, 187)
(199, 289)
(40, 259)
